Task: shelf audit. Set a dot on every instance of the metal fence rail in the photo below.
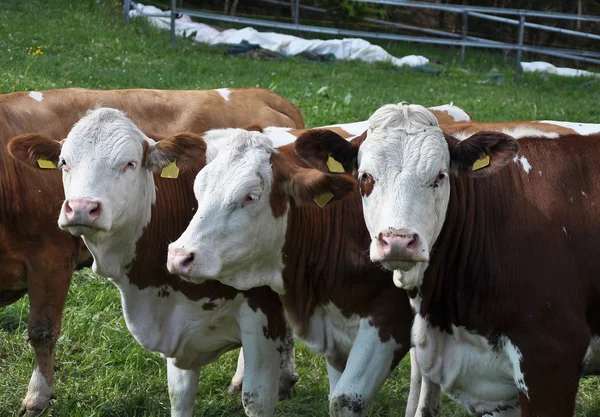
(438, 37)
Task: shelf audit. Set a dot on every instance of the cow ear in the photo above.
(483, 153)
(35, 150)
(254, 128)
(307, 186)
(187, 150)
(327, 151)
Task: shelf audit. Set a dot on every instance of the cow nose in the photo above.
(401, 245)
(179, 261)
(82, 211)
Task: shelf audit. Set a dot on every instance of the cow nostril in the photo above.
(414, 242)
(68, 209)
(188, 260)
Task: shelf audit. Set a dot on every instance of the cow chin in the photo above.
(409, 279)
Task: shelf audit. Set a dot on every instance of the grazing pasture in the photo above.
(100, 369)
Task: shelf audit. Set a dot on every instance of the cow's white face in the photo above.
(105, 182)
(234, 228)
(403, 174)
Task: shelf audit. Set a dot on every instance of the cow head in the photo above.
(238, 231)
(107, 165)
(403, 167)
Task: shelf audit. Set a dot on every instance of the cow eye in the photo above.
(130, 165)
(440, 177)
(62, 164)
(250, 199)
(366, 183)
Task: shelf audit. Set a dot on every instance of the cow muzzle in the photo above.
(193, 264)
(79, 215)
(399, 249)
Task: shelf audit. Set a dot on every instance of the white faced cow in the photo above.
(495, 241)
(127, 215)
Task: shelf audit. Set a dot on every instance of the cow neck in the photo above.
(171, 213)
(326, 258)
(450, 284)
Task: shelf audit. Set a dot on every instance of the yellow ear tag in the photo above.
(481, 163)
(334, 166)
(45, 164)
(170, 171)
(323, 199)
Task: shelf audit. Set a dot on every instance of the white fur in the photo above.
(458, 114)
(36, 95)
(96, 149)
(39, 392)
(404, 152)
(522, 160)
(280, 136)
(527, 130)
(240, 246)
(479, 378)
(355, 129)
(183, 385)
(580, 128)
(224, 92)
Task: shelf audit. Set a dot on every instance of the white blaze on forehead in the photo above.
(36, 95)
(580, 128)
(458, 114)
(224, 92)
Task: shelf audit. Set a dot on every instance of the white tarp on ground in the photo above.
(343, 49)
(541, 66)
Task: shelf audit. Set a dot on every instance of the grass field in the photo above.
(100, 369)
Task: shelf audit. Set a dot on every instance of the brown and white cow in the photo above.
(30, 200)
(256, 214)
(494, 239)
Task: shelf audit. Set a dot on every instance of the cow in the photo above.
(30, 200)
(257, 224)
(494, 240)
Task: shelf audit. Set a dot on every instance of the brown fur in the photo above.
(36, 257)
(326, 260)
(517, 256)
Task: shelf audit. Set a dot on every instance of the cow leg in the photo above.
(370, 362)
(262, 359)
(48, 289)
(287, 372)
(334, 376)
(424, 395)
(238, 377)
(547, 373)
(429, 399)
(415, 386)
(183, 386)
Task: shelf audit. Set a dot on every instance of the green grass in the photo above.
(100, 369)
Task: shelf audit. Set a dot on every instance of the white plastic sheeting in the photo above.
(342, 49)
(541, 66)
